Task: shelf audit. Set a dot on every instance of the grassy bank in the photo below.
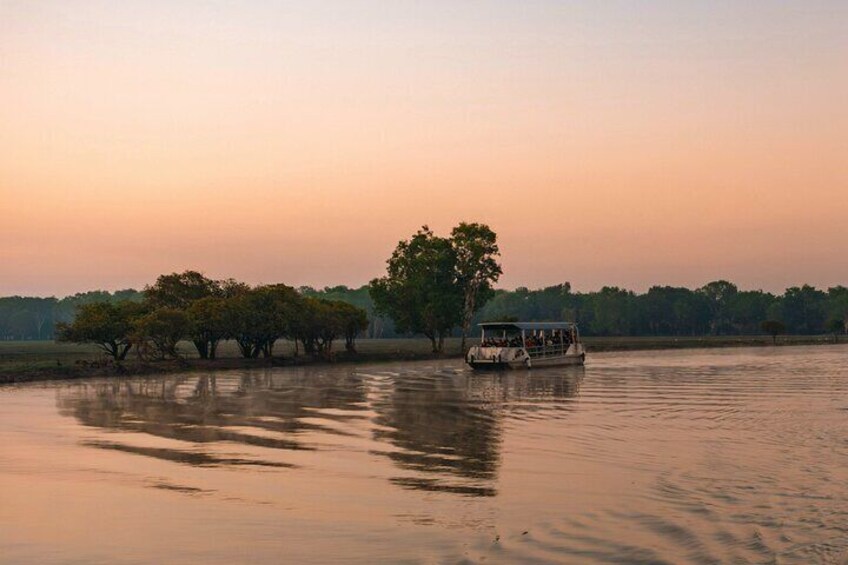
(22, 361)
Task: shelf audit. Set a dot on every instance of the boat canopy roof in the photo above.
(527, 325)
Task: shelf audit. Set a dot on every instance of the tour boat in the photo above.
(527, 344)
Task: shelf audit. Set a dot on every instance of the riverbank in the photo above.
(25, 361)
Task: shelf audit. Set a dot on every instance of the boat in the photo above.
(526, 345)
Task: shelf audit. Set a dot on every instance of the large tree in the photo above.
(108, 325)
(209, 324)
(181, 290)
(719, 295)
(803, 309)
(354, 321)
(259, 317)
(475, 247)
(163, 328)
(420, 292)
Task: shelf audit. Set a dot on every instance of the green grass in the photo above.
(43, 355)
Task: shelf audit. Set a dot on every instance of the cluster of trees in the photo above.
(435, 284)
(191, 306)
(717, 308)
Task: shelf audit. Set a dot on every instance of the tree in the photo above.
(179, 290)
(354, 320)
(209, 324)
(611, 311)
(164, 328)
(259, 317)
(773, 328)
(837, 305)
(305, 325)
(107, 325)
(476, 249)
(241, 321)
(183, 290)
(719, 295)
(803, 309)
(320, 322)
(419, 291)
(67, 307)
(746, 309)
(835, 326)
(360, 297)
(667, 310)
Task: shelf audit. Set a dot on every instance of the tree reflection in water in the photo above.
(447, 426)
(267, 410)
(441, 428)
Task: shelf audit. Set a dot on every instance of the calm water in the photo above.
(696, 456)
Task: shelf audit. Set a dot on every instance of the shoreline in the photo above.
(45, 368)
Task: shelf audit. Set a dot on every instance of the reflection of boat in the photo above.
(527, 344)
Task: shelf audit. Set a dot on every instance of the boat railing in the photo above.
(553, 350)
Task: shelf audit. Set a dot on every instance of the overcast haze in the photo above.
(629, 144)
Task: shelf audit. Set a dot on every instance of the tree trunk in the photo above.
(467, 315)
(202, 347)
(246, 349)
(124, 351)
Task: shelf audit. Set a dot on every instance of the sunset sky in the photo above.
(607, 143)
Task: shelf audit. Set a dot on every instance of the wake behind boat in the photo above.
(527, 344)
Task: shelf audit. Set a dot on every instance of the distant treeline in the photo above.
(718, 308)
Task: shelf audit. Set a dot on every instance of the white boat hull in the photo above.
(518, 358)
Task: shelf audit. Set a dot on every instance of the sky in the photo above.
(607, 143)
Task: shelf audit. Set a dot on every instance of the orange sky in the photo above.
(630, 144)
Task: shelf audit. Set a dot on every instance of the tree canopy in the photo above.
(476, 268)
(420, 291)
(190, 306)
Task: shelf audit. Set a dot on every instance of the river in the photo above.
(698, 456)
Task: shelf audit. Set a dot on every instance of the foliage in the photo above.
(612, 310)
(718, 308)
(774, 328)
(203, 299)
(317, 325)
(420, 292)
(257, 318)
(320, 322)
(354, 320)
(209, 324)
(803, 309)
(476, 268)
(378, 325)
(719, 296)
(835, 326)
(179, 290)
(164, 328)
(108, 325)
